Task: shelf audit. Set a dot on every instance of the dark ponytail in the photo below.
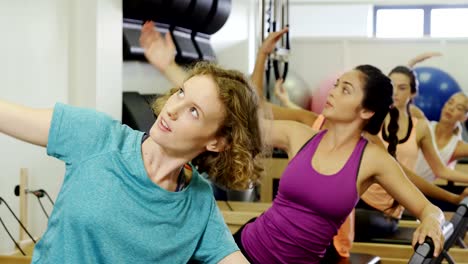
(378, 92)
(392, 140)
(392, 128)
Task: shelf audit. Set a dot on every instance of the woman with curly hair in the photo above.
(126, 197)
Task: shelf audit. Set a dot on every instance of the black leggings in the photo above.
(238, 238)
(372, 223)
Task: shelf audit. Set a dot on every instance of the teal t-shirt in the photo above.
(109, 211)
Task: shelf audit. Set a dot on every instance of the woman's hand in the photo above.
(463, 195)
(430, 227)
(160, 51)
(269, 43)
(281, 93)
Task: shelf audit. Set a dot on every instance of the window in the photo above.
(400, 23)
(421, 20)
(449, 22)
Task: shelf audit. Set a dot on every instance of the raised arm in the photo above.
(160, 52)
(422, 57)
(267, 47)
(432, 156)
(390, 176)
(279, 113)
(24, 123)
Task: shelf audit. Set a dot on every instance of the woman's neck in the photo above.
(402, 112)
(444, 130)
(342, 135)
(162, 167)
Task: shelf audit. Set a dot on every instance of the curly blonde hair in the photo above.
(238, 166)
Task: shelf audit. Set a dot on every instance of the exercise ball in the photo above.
(435, 88)
(297, 88)
(320, 93)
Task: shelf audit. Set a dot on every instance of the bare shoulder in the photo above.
(297, 134)
(374, 160)
(422, 128)
(372, 153)
(416, 112)
(374, 156)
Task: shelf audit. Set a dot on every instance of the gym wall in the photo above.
(54, 51)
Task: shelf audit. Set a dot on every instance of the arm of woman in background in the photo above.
(24, 123)
(415, 111)
(461, 151)
(432, 157)
(160, 52)
(427, 188)
(422, 57)
(431, 190)
(390, 176)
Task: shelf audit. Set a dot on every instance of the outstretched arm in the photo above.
(391, 177)
(432, 190)
(24, 123)
(422, 57)
(160, 52)
(461, 151)
(427, 188)
(433, 159)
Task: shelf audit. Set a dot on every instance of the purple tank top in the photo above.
(307, 211)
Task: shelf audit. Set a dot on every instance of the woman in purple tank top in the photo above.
(327, 173)
(378, 223)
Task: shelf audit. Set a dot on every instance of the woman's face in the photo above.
(401, 90)
(454, 109)
(191, 117)
(344, 100)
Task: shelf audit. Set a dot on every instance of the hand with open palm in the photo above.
(159, 50)
(269, 43)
